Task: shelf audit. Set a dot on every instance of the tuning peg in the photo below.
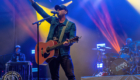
(80, 37)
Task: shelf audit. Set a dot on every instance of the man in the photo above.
(57, 25)
(17, 56)
(126, 48)
(126, 52)
(128, 41)
(130, 44)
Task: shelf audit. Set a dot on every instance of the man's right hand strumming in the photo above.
(32, 1)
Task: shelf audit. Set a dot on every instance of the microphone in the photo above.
(55, 12)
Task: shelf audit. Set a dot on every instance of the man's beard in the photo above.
(60, 16)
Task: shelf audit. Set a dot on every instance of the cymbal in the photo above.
(137, 43)
(98, 49)
(104, 47)
(112, 54)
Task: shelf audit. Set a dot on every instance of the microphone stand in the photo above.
(38, 23)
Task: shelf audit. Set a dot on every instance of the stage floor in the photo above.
(118, 77)
(37, 79)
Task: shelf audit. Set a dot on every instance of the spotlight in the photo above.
(101, 45)
(62, 0)
(33, 51)
(99, 65)
(34, 69)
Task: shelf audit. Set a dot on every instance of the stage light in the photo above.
(34, 69)
(33, 51)
(68, 3)
(99, 65)
(62, 0)
(135, 4)
(104, 24)
(100, 45)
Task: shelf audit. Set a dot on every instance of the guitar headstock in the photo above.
(75, 39)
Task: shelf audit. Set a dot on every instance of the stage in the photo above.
(37, 79)
(119, 77)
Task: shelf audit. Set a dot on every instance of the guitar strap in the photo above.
(62, 32)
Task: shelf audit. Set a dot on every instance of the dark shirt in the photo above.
(57, 30)
(131, 47)
(21, 57)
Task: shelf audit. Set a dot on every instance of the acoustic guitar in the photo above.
(49, 50)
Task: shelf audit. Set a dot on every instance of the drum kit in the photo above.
(126, 62)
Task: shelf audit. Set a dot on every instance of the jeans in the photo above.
(67, 65)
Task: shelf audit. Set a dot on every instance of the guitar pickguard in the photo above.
(46, 54)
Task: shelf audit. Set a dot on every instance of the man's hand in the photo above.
(32, 1)
(66, 43)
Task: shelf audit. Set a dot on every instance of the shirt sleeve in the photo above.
(42, 12)
(72, 32)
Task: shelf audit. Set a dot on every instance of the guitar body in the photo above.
(45, 55)
(49, 50)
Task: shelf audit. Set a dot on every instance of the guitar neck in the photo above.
(59, 44)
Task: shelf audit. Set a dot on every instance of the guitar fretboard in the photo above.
(59, 44)
(56, 46)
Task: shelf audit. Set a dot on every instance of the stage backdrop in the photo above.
(97, 21)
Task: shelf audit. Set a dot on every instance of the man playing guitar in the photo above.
(56, 28)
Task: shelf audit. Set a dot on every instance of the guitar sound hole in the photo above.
(46, 55)
(48, 51)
